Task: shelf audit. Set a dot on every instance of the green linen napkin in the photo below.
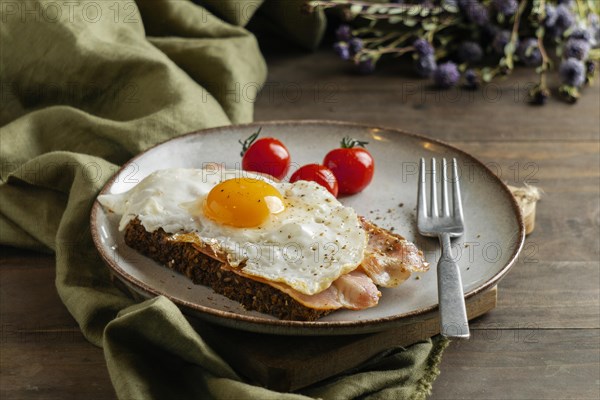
(85, 86)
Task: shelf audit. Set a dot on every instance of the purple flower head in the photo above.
(342, 50)
(470, 52)
(582, 34)
(365, 66)
(423, 47)
(488, 32)
(475, 12)
(529, 52)
(576, 48)
(500, 41)
(564, 18)
(343, 33)
(590, 67)
(572, 72)
(355, 45)
(446, 75)
(425, 66)
(539, 96)
(551, 15)
(506, 7)
(471, 79)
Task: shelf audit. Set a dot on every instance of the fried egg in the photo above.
(293, 233)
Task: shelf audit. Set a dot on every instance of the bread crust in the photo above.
(202, 269)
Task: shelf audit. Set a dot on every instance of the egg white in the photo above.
(307, 246)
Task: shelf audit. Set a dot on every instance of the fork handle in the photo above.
(453, 314)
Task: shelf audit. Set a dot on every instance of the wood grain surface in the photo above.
(543, 339)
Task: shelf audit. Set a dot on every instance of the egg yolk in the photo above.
(242, 202)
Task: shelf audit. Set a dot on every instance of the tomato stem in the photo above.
(348, 143)
(248, 142)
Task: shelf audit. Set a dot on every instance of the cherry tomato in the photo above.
(265, 155)
(319, 174)
(352, 166)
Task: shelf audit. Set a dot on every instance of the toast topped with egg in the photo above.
(291, 250)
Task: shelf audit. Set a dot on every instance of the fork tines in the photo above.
(434, 210)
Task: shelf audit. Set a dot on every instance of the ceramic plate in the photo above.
(493, 236)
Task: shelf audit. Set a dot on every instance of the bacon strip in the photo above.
(389, 258)
(354, 290)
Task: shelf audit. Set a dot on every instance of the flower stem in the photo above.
(545, 61)
(594, 54)
(396, 50)
(514, 36)
(337, 3)
(400, 39)
(581, 9)
(515, 30)
(382, 39)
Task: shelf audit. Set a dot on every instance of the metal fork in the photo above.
(445, 224)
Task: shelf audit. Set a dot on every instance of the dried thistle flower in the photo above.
(572, 72)
(483, 39)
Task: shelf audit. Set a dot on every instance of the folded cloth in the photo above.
(85, 86)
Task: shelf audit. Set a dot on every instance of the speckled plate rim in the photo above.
(258, 324)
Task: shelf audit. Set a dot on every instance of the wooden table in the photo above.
(542, 340)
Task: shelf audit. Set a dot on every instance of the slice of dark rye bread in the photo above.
(186, 259)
